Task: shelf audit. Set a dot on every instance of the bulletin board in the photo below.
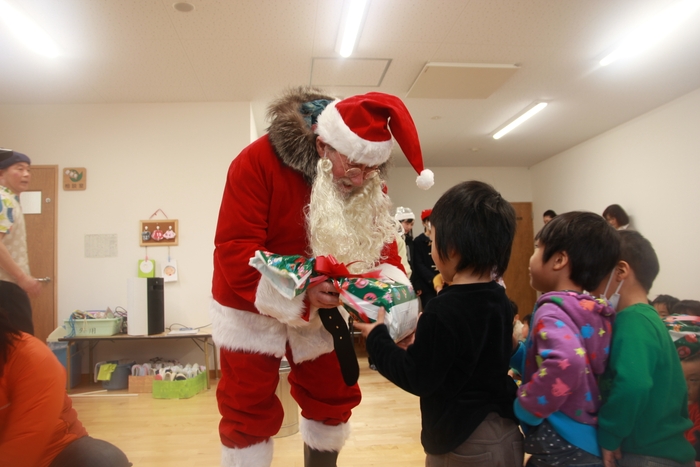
(159, 232)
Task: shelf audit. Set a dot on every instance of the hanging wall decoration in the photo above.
(74, 178)
(158, 232)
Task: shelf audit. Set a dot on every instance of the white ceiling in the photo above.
(117, 51)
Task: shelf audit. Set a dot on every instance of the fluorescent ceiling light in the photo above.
(653, 30)
(506, 129)
(347, 37)
(28, 31)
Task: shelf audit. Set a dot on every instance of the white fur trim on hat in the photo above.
(240, 330)
(324, 437)
(257, 455)
(426, 179)
(403, 214)
(311, 341)
(333, 130)
(272, 303)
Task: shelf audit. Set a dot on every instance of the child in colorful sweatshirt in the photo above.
(569, 341)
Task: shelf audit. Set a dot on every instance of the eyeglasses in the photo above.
(354, 172)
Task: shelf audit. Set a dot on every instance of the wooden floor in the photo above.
(174, 433)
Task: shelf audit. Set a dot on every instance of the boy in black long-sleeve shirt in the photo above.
(458, 363)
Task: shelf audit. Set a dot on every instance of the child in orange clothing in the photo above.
(38, 425)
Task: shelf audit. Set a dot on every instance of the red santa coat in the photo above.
(263, 208)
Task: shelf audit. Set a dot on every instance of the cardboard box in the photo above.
(141, 384)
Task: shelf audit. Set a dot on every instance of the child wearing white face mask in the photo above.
(567, 347)
(645, 401)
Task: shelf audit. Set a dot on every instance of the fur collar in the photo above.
(293, 140)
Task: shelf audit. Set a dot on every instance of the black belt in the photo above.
(342, 342)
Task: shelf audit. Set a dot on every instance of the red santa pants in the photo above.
(252, 413)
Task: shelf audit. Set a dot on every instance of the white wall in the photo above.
(139, 158)
(651, 167)
(512, 182)
(142, 157)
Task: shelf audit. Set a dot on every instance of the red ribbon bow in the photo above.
(328, 266)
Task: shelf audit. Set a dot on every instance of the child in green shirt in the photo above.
(645, 400)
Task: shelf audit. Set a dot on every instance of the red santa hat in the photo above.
(361, 128)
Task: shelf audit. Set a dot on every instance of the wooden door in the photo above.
(42, 246)
(517, 276)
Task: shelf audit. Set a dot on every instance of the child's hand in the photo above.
(610, 457)
(366, 328)
(406, 341)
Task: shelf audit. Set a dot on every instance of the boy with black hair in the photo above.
(686, 307)
(645, 399)
(568, 343)
(458, 362)
(548, 215)
(664, 304)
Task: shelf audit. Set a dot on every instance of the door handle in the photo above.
(44, 279)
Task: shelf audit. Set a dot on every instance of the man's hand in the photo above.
(30, 285)
(323, 295)
(610, 457)
(366, 328)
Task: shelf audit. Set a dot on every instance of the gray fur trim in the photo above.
(294, 142)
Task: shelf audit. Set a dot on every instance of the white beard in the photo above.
(351, 227)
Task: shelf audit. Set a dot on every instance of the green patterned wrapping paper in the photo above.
(361, 297)
(684, 330)
(290, 274)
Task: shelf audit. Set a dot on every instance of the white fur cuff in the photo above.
(324, 437)
(271, 303)
(257, 455)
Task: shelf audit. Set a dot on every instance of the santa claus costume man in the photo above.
(312, 186)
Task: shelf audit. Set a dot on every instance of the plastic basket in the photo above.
(60, 349)
(93, 327)
(120, 376)
(180, 389)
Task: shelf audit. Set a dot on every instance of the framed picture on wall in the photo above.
(159, 232)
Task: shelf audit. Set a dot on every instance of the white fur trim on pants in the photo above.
(245, 331)
(324, 437)
(257, 455)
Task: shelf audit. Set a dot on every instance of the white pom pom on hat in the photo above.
(361, 128)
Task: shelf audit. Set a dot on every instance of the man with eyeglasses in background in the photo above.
(312, 186)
